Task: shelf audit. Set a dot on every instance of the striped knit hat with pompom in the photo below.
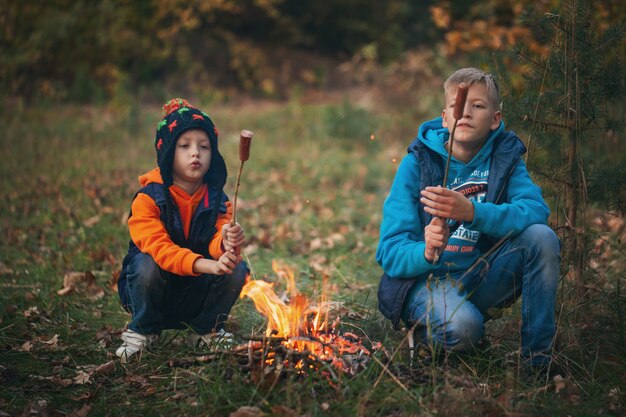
(180, 116)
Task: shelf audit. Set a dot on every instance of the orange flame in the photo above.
(304, 326)
(287, 320)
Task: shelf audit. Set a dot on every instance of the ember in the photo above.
(300, 333)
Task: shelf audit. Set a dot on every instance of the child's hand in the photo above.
(233, 238)
(226, 263)
(447, 204)
(436, 236)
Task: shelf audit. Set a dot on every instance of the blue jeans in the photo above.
(159, 300)
(451, 311)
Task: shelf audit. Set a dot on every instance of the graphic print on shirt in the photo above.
(474, 188)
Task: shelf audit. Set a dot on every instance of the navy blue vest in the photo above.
(505, 155)
(201, 229)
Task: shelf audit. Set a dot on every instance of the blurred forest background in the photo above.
(89, 51)
(335, 90)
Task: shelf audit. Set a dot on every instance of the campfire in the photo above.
(302, 333)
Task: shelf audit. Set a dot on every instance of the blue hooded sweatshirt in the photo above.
(505, 200)
(496, 181)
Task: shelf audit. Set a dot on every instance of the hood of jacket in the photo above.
(433, 135)
(153, 176)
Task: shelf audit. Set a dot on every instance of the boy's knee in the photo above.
(145, 270)
(462, 331)
(237, 279)
(542, 237)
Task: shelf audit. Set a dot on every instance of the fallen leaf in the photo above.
(112, 284)
(316, 244)
(246, 411)
(136, 379)
(96, 294)
(614, 399)
(105, 368)
(53, 342)
(31, 311)
(82, 378)
(72, 280)
(62, 382)
(26, 347)
(5, 270)
(282, 411)
(92, 221)
(83, 282)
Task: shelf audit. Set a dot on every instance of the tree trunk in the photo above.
(575, 242)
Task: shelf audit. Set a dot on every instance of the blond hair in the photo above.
(474, 76)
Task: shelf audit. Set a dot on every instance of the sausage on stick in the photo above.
(459, 106)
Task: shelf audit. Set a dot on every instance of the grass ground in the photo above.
(311, 196)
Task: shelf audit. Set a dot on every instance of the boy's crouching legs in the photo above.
(144, 295)
(540, 282)
(445, 317)
(222, 295)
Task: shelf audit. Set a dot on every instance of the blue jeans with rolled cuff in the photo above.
(158, 300)
(450, 311)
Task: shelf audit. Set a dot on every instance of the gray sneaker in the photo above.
(134, 343)
(221, 339)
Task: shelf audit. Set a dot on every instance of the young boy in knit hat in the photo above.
(443, 276)
(183, 268)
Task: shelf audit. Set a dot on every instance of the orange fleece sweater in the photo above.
(150, 235)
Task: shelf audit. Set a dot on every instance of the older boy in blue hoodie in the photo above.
(488, 225)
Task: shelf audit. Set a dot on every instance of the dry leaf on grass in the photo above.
(26, 347)
(83, 282)
(53, 342)
(105, 368)
(247, 411)
(92, 221)
(282, 411)
(5, 270)
(82, 377)
(31, 312)
(112, 284)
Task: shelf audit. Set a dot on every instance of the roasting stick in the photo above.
(459, 106)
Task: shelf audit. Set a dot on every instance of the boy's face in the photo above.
(192, 157)
(479, 116)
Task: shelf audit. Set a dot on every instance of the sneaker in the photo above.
(220, 339)
(134, 343)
